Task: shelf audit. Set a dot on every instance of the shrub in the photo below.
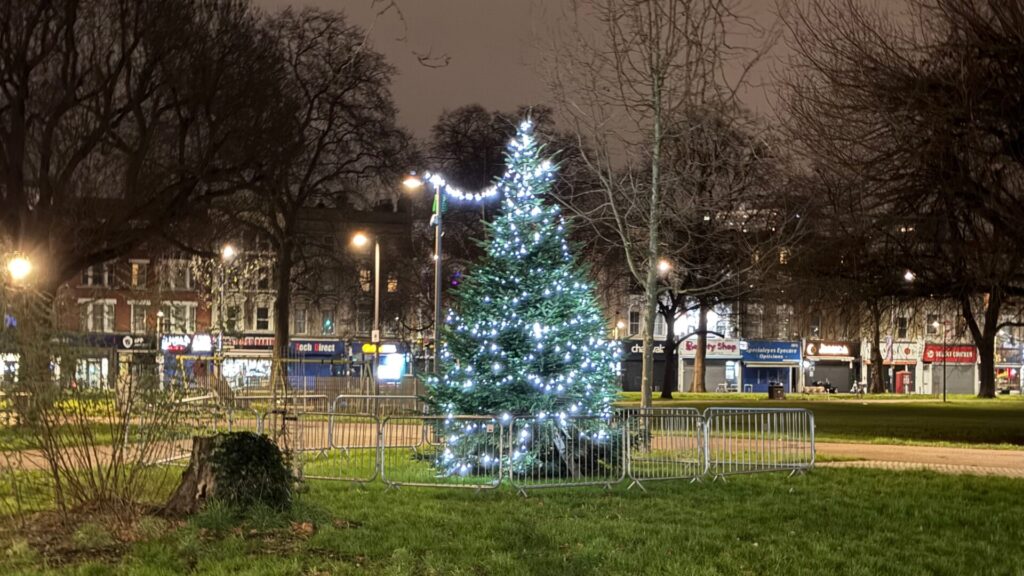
(250, 469)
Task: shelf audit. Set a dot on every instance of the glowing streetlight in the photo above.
(664, 266)
(359, 240)
(228, 252)
(19, 267)
(412, 182)
(909, 276)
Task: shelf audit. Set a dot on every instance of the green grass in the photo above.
(858, 522)
(961, 422)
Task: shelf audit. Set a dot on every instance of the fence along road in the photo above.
(643, 445)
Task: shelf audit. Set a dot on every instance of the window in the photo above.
(140, 314)
(816, 324)
(98, 275)
(180, 317)
(634, 321)
(97, 315)
(754, 320)
(231, 318)
(660, 326)
(783, 316)
(177, 275)
(263, 278)
(901, 327)
(365, 279)
(931, 324)
(327, 322)
(392, 283)
(783, 255)
(92, 372)
(299, 321)
(262, 318)
(139, 273)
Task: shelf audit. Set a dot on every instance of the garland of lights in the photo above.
(438, 181)
(527, 338)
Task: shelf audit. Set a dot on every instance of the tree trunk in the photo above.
(668, 382)
(699, 367)
(984, 337)
(877, 362)
(653, 227)
(198, 482)
(647, 373)
(282, 305)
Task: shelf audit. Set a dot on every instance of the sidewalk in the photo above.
(938, 459)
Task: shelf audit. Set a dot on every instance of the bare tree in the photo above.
(339, 138)
(925, 116)
(621, 73)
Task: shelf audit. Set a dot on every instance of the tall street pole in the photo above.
(438, 209)
(376, 314)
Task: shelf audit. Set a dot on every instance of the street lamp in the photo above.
(19, 267)
(227, 256)
(664, 266)
(909, 276)
(359, 240)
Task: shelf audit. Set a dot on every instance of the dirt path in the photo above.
(939, 459)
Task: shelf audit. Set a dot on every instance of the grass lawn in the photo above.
(964, 421)
(828, 522)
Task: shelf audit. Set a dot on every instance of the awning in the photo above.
(771, 364)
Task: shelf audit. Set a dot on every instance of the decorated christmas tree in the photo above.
(526, 336)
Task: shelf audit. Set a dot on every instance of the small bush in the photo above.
(250, 469)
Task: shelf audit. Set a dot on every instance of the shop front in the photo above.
(247, 361)
(831, 364)
(315, 360)
(136, 361)
(187, 360)
(394, 360)
(768, 362)
(1008, 368)
(721, 364)
(632, 365)
(953, 368)
(901, 360)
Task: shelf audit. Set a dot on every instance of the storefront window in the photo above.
(92, 372)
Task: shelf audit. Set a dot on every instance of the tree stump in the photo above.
(198, 482)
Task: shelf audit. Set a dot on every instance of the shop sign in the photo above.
(202, 344)
(638, 347)
(1009, 356)
(771, 351)
(950, 354)
(894, 352)
(175, 343)
(250, 342)
(317, 347)
(133, 342)
(715, 348)
(821, 349)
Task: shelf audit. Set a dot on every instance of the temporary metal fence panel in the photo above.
(442, 451)
(379, 405)
(664, 444)
(553, 451)
(293, 402)
(748, 440)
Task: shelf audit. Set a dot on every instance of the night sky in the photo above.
(494, 48)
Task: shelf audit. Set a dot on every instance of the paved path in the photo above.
(939, 459)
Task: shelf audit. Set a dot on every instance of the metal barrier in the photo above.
(293, 402)
(442, 451)
(553, 451)
(381, 406)
(665, 444)
(748, 440)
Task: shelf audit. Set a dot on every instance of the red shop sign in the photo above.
(950, 354)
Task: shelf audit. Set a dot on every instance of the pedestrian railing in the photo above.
(748, 440)
(442, 451)
(381, 406)
(665, 444)
(534, 452)
(559, 451)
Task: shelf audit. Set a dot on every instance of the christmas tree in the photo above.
(526, 337)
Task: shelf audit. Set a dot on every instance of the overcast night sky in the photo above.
(494, 47)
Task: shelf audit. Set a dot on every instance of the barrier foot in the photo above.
(718, 477)
(636, 483)
(521, 492)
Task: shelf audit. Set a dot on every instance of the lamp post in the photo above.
(412, 182)
(227, 256)
(361, 239)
